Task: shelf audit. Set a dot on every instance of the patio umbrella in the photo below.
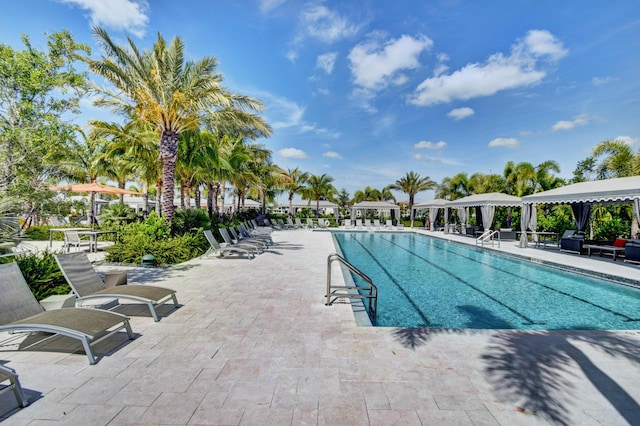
(94, 188)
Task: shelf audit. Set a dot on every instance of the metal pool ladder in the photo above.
(369, 292)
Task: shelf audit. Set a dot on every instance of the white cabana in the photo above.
(487, 203)
(384, 208)
(581, 195)
(322, 205)
(432, 206)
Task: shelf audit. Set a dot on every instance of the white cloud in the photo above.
(324, 24)
(579, 120)
(460, 113)
(430, 145)
(268, 5)
(332, 154)
(497, 73)
(375, 65)
(327, 61)
(504, 142)
(125, 15)
(599, 81)
(629, 140)
(292, 153)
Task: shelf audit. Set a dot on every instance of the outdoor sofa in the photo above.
(632, 251)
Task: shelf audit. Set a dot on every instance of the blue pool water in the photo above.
(428, 282)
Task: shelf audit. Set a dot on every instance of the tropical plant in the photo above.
(191, 220)
(411, 184)
(294, 184)
(318, 188)
(160, 88)
(116, 215)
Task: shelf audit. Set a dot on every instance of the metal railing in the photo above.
(369, 292)
(489, 235)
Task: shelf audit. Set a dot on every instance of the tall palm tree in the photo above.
(294, 184)
(411, 184)
(319, 187)
(161, 88)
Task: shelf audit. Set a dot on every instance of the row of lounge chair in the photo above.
(367, 224)
(20, 312)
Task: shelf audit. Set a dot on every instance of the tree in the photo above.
(319, 187)
(295, 184)
(38, 92)
(160, 88)
(617, 159)
(411, 184)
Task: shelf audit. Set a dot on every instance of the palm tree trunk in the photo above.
(222, 194)
(210, 199)
(169, 156)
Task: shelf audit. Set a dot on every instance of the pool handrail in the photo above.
(333, 291)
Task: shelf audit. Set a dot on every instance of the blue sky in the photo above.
(369, 90)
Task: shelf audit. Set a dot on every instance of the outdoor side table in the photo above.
(58, 301)
(114, 278)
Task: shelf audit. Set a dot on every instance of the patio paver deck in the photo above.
(253, 344)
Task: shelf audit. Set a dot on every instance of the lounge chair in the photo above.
(230, 242)
(358, 223)
(389, 224)
(348, 224)
(73, 239)
(246, 234)
(310, 223)
(258, 242)
(290, 224)
(299, 223)
(216, 248)
(20, 312)
(376, 223)
(367, 223)
(88, 286)
(9, 374)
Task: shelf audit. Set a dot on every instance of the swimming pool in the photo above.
(428, 282)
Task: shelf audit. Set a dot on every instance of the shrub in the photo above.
(41, 272)
(611, 229)
(189, 220)
(116, 215)
(153, 237)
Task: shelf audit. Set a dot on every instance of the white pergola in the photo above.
(432, 206)
(383, 207)
(608, 191)
(487, 203)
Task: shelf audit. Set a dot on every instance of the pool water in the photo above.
(428, 282)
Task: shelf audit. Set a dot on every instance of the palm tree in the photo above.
(80, 161)
(411, 184)
(160, 88)
(295, 184)
(319, 187)
(619, 159)
(137, 143)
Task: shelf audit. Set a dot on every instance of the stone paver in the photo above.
(253, 344)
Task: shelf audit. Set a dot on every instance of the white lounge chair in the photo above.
(358, 223)
(376, 223)
(348, 224)
(389, 224)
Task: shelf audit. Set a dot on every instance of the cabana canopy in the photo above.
(495, 199)
(374, 205)
(599, 191)
(432, 206)
(487, 203)
(582, 194)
